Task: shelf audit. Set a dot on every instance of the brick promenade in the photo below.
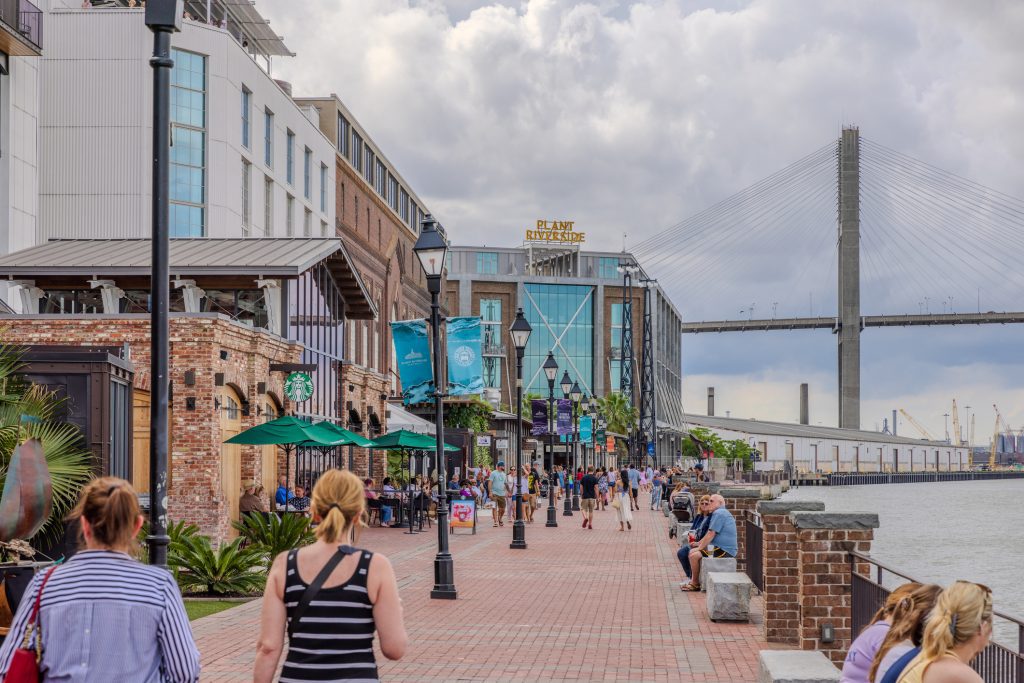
(580, 605)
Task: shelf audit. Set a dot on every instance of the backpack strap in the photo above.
(314, 588)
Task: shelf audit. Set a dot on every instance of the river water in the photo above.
(943, 531)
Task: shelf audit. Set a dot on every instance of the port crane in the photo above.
(995, 436)
(957, 435)
(917, 425)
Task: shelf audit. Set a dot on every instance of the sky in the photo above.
(630, 117)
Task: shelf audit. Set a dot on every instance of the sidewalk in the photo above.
(599, 605)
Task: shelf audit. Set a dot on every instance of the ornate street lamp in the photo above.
(550, 370)
(520, 333)
(430, 249)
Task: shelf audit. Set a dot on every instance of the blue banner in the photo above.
(540, 417)
(465, 365)
(564, 412)
(412, 348)
(586, 428)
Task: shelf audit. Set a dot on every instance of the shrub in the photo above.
(228, 569)
(272, 534)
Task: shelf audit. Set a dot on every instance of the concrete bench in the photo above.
(682, 529)
(715, 564)
(795, 666)
(728, 596)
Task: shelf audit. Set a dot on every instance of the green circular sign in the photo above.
(298, 387)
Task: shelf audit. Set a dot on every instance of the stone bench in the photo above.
(795, 666)
(715, 564)
(728, 596)
(665, 509)
(682, 529)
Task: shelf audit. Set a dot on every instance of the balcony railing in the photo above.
(491, 349)
(24, 18)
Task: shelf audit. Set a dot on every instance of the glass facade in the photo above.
(562, 317)
(615, 350)
(487, 263)
(490, 314)
(607, 268)
(315, 320)
(188, 151)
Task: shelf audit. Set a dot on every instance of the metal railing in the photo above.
(754, 543)
(997, 663)
(768, 478)
(25, 18)
(492, 349)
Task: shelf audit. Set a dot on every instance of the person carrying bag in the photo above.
(24, 666)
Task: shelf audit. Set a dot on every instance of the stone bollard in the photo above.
(825, 579)
(780, 666)
(728, 596)
(665, 509)
(740, 501)
(682, 531)
(780, 560)
(710, 565)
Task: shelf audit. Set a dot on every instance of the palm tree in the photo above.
(31, 411)
(622, 418)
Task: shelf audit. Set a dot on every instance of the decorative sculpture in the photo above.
(27, 497)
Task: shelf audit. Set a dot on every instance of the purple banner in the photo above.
(564, 416)
(540, 417)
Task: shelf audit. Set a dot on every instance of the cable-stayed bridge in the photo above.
(918, 233)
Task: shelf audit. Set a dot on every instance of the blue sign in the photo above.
(650, 448)
(586, 428)
(413, 352)
(465, 365)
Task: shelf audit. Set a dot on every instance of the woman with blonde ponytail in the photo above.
(330, 597)
(958, 628)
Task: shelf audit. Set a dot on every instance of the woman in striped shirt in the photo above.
(332, 639)
(104, 615)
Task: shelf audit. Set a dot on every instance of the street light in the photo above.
(566, 385)
(550, 370)
(520, 333)
(575, 394)
(430, 249)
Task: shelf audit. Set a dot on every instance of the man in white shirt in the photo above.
(499, 485)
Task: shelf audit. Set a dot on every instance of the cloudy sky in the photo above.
(629, 117)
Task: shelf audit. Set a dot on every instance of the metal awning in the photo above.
(285, 258)
(400, 418)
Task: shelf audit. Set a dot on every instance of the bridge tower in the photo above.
(849, 323)
(648, 414)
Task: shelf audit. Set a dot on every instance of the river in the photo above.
(940, 532)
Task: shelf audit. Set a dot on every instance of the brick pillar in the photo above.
(825, 539)
(781, 569)
(739, 501)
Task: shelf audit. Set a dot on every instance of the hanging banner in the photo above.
(540, 417)
(412, 348)
(465, 365)
(564, 424)
(610, 443)
(586, 428)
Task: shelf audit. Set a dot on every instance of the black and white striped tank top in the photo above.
(334, 639)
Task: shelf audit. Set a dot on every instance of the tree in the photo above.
(622, 418)
(528, 399)
(731, 451)
(474, 415)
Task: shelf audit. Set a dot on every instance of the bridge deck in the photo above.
(831, 323)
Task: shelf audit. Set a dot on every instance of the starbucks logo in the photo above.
(464, 356)
(298, 387)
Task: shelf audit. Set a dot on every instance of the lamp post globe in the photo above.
(430, 249)
(550, 371)
(520, 333)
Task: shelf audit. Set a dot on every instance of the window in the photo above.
(607, 268)
(268, 206)
(323, 188)
(416, 216)
(344, 127)
(492, 348)
(323, 229)
(381, 179)
(268, 138)
(487, 263)
(368, 165)
(393, 193)
(289, 217)
(307, 160)
(615, 349)
(307, 223)
(403, 203)
(562, 317)
(188, 153)
(246, 192)
(246, 113)
(356, 157)
(290, 158)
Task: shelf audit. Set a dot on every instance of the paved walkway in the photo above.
(599, 605)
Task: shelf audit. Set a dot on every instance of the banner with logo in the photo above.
(540, 417)
(465, 365)
(564, 413)
(586, 428)
(412, 348)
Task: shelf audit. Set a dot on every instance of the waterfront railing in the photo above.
(997, 663)
(754, 543)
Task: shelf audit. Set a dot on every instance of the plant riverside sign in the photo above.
(559, 232)
(298, 387)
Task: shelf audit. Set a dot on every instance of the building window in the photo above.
(368, 165)
(268, 138)
(290, 158)
(268, 206)
(323, 188)
(492, 348)
(381, 179)
(403, 203)
(615, 349)
(607, 268)
(307, 223)
(188, 152)
(562, 317)
(356, 156)
(487, 263)
(393, 193)
(246, 196)
(246, 115)
(343, 132)
(289, 217)
(323, 228)
(307, 161)
(416, 216)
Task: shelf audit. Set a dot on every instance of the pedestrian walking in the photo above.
(602, 488)
(621, 503)
(103, 615)
(498, 483)
(588, 497)
(337, 596)
(633, 476)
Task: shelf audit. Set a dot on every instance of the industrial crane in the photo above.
(917, 425)
(957, 436)
(995, 436)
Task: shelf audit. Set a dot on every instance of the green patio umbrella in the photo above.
(404, 440)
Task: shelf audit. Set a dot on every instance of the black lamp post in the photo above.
(550, 370)
(575, 394)
(430, 249)
(566, 385)
(163, 17)
(520, 333)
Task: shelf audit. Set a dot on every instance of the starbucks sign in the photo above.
(298, 387)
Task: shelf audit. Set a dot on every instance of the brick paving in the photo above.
(599, 605)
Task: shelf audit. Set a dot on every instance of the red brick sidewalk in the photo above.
(584, 605)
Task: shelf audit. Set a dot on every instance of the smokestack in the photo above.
(711, 401)
(894, 432)
(804, 416)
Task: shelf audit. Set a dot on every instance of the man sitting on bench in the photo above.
(719, 541)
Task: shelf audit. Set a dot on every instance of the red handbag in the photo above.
(24, 666)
